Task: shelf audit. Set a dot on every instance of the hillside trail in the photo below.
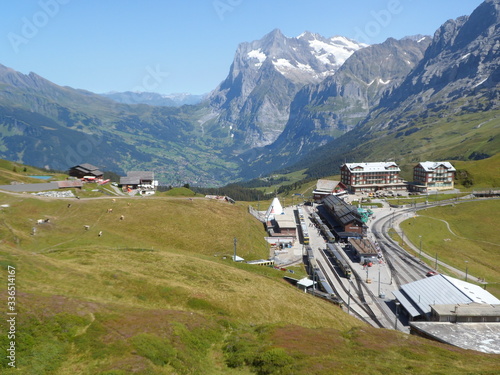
(456, 235)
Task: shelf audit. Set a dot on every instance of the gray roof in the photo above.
(418, 296)
(143, 175)
(429, 166)
(287, 220)
(88, 167)
(475, 292)
(472, 309)
(135, 177)
(129, 181)
(326, 185)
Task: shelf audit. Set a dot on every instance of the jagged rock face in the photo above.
(462, 61)
(458, 74)
(320, 112)
(359, 84)
(254, 100)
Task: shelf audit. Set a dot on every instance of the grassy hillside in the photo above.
(15, 172)
(154, 295)
(433, 135)
(482, 173)
(467, 239)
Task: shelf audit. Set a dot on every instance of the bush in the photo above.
(273, 361)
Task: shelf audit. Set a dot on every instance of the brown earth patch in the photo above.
(132, 364)
(157, 322)
(307, 341)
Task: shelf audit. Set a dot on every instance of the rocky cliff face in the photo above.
(461, 64)
(323, 111)
(253, 103)
(459, 74)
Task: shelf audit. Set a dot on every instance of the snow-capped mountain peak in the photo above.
(306, 58)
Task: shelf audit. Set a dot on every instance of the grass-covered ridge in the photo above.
(459, 233)
(153, 295)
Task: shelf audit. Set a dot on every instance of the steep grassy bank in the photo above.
(462, 235)
(153, 295)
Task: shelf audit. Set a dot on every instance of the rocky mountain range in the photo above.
(322, 111)
(253, 102)
(286, 100)
(457, 77)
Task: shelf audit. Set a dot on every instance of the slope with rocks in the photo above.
(446, 108)
(252, 104)
(323, 111)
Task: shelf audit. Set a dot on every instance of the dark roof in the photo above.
(343, 212)
(88, 169)
(86, 166)
(70, 184)
(135, 177)
(143, 175)
(363, 246)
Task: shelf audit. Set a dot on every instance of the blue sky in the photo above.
(174, 46)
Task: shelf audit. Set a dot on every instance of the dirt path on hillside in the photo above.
(456, 235)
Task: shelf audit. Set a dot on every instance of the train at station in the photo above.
(327, 233)
(304, 233)
(300, 213)
(339, 260)
(325, 230)
(323, 284)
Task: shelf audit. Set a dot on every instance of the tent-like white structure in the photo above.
(274, 209)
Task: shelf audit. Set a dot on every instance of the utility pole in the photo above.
(436, 264)
(466, 269)
(235, 241)
(397, 312)
(349, 299)
(379, 279)
(420, 253)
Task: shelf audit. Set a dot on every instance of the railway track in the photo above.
(356, 296)
(404, 267)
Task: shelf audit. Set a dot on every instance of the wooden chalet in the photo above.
(85, 170)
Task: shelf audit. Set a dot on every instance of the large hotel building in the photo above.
(433, 175)
(371, 177)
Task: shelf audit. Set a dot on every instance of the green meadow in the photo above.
(463, 235)
(158, 293)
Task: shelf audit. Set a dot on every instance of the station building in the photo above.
(346, 220)
(452, 311)
(364, 250)
(280, 222)
(433, 175)
(372, 177)
(325, 188)
(139, 180)
(428, 299)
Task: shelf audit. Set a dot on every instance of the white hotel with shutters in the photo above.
(433, 175)
(372, 177)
